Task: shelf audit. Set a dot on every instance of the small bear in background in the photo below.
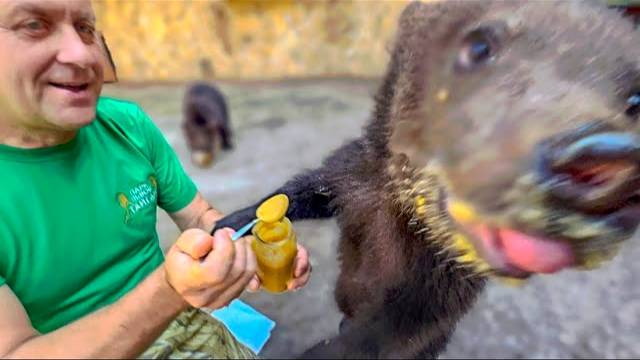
(205, 118)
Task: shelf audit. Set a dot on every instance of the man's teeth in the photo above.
(70, 85)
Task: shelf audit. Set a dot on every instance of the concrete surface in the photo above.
(283, 128)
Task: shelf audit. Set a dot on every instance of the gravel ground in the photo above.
(285, 127)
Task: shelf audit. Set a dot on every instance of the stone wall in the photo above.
(176, 40)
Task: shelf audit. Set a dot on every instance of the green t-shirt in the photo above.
(78, 220)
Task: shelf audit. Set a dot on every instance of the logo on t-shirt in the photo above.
(139, 197)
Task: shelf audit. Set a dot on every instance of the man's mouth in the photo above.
(74, 87)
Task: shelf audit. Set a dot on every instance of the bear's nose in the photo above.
(595, 173)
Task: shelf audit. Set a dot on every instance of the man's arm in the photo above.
(199, 270)
(198, 214)
(123, 329)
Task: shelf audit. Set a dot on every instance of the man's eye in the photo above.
(35, 27)
(86, 31)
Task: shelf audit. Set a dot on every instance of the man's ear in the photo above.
(110, 75)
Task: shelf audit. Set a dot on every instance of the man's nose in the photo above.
(74, 50)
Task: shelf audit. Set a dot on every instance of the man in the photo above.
(81, 271)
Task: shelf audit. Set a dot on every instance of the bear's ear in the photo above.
(108, 65)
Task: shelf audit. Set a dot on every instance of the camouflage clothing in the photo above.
(194, 334)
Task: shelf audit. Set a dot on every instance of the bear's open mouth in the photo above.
(508, 250)
(595, 175)
(512, 249)
(595, 186)
(581, 200)
(513, 253)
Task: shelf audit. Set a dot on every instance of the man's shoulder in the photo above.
(113, 109)
(125, 116)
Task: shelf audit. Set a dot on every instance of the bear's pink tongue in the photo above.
(511, 250)
(534, 254)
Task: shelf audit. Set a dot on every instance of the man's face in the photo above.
(50, 64)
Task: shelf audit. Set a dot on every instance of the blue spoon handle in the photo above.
(238, 234)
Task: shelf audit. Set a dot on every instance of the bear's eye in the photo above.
(633, 102)
(478, 48)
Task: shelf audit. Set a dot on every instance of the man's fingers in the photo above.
(228, 231)
(252, 262)
(195, 243)
(298, 282)
(251, 265)
(301, 270)
(301, 265)
(219, 261)
(240, 261)
(231, 292)
(254, 284)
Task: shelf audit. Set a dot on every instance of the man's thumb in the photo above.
(195, 243)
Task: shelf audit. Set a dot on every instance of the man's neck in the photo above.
(31, 138)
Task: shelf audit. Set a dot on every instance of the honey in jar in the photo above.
(275, 244)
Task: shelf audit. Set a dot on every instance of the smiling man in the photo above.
(81, 270)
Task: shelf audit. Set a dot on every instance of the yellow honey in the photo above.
(462, 212)
(275, 244)
(273, 209)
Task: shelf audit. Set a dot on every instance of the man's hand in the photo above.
(301, 270)
(209, 271)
